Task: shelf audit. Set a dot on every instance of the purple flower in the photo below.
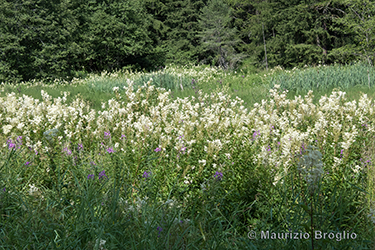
(27, 163)
(107, 135)
(11, 144)
(4, 189)
(218, 175)
(68, 152)
(157, 149)
(92, 163)
(243, 76)
(160, 230)
(122, 136)
(80, 146)
(102, 174)
(146, 174)
(90, 176)
(110, 150)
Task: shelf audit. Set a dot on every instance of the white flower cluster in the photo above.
(214, 122)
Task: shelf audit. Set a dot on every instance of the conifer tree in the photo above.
(217, 36)
(359, 20)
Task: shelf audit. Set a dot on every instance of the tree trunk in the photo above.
(265, 50)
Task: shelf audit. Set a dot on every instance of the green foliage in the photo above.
(177, 23)
(296, 33)
(324, 78)
(49, 39)
(216, 35)
(359, 20)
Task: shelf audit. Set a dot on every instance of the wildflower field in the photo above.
(190, 158)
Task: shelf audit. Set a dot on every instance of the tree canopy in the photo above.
(55, 39)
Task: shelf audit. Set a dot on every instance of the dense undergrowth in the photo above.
(218, 158)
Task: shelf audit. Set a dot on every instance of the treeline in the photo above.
(65, 38)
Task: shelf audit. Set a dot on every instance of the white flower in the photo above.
(169, 202)
(356, 169)
(33, 190)
(203, 161)
(7, 129)
(117, 144)
(115, 89)
(20, 125)
(101, 244)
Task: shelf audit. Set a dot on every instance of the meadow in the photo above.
(190, 158)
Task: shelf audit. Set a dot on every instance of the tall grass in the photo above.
(325, 77)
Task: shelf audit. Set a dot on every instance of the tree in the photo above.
(182, 42)
(53, 39)
(111, 33)
(359, 20)
(217, 36)
(296, 32)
